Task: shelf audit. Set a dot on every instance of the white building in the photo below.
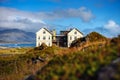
(73, 35)
(43, 36)
(64, 39)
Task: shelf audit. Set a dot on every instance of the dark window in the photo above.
(49, 37)
(75, 32)
(49, 44)
(44, 38)
(75, 37)
(69, 44)
(39, 44)
(44, 32)
(38, 37)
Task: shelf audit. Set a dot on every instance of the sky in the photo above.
(86, 15)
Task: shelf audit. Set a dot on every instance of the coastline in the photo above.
(17, 45)
(16, 42)
(2, 47)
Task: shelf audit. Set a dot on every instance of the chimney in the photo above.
(54, 34)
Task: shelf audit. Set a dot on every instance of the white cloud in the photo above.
(13, 18)
(110, 29)
(82, 13)
(113, 27)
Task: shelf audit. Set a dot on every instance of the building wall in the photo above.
(43, 36)
(73, 35)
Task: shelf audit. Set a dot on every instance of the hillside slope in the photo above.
(94, 36)
(91, 37)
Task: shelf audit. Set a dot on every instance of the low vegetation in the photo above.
(14, 50)
(83, 65)
(55, 63)
(94, 36)
(24, 64)
(90, 38)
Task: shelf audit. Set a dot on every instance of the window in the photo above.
(49, 44)
(49, 37)
(44, 32)
(38, 44)
(75, 32)
(44, 37)
(70, 38)
(75, 37)
(39, 37)
(69, 44)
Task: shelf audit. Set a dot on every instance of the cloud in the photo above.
(32, 21)
(113, 27)
(13, 18)
(110, 29)
(82, 13)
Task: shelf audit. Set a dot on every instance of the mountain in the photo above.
(16, 35)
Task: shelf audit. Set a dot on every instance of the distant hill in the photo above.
(16, 35)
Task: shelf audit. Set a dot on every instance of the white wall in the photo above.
(73, 36)
(40, 35)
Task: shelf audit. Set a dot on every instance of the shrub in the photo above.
(78, 42)
(41, 47)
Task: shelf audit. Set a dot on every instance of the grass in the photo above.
(14, 50)
(20, 61)
(77, 63)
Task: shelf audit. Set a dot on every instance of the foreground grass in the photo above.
(19, 61)
(60, 63)
(14, 50)
(79, 65)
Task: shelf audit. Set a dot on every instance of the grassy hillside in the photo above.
(90, 38)
(83, 65)
(23, 62)
(77, 63)
(94, 36)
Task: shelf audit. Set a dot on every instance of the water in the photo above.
(15, 45)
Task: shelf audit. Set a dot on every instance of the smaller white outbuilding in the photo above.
(43, 36)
